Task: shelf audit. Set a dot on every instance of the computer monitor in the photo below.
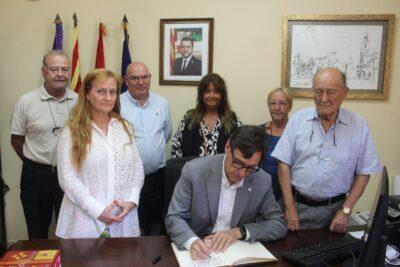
(373, 253)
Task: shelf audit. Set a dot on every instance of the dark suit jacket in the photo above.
(193, 67)
(194, 206)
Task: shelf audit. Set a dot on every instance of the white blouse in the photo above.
(111, 171)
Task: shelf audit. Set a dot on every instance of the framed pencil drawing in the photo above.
(358, 45)
(186, 50)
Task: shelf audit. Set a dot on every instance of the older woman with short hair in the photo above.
(99, 167)
(279, 105)
(204, 130)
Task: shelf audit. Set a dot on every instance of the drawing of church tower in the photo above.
(364, 56)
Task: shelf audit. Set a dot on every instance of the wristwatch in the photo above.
(243, 231)
(346, 210)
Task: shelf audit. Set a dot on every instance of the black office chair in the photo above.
(173, 169)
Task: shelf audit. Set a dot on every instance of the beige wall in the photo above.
(247, 53)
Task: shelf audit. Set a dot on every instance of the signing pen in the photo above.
(156, 260)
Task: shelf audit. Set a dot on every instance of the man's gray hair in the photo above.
(55, 52)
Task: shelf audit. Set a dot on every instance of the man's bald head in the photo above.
(333, 71)
(138, 80)
(137, 65)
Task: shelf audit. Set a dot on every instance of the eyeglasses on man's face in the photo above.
(136, 79)
(239, 165)
(57, 69)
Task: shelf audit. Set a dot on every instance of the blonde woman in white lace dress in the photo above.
(99, 167)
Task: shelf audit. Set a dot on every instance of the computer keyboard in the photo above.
(321, 253)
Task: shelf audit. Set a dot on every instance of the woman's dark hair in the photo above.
(224, 109)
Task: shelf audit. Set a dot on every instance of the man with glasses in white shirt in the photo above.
(152, 126)
(326, 157)
(224, 198)
(36, 121)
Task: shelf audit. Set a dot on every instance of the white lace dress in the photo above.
(112, 170)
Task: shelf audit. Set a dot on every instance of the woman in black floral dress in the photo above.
(204, 130)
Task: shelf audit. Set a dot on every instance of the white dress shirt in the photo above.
(226, 201)
(112, 170)
(225, 207)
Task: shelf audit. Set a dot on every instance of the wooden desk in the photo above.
(141, 251)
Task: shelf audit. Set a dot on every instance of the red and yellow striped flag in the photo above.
(75, 71)
(171, 51)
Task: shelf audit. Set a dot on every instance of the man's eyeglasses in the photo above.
(238, 165)
(57, 69)
(136, 79)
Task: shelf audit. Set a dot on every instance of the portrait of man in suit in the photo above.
(224, 198)
(188, 64)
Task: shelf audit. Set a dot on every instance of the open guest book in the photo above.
(239, 253)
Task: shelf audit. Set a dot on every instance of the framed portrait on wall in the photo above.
(359, 45)
(186, 50)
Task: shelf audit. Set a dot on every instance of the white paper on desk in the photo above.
(239, 253)
(184, 259)
(357, 234)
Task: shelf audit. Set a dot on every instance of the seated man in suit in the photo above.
(187, 64)
(224, 198)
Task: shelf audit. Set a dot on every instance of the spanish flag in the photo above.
(75, 72)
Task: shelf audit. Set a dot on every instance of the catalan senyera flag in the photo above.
(126, 56)
(58, 36)
(171, 51)
(100, 62)
(75, 71)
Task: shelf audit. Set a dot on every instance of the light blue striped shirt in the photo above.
(320, 169)
(152, 127)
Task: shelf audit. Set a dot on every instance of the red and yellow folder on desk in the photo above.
(31, 258)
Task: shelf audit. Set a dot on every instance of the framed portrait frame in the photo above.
(359, 45)
(186, 50)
